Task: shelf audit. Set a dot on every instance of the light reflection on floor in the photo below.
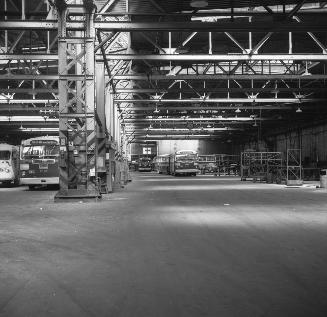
(228, 216)
(185, 179)
(211, 187)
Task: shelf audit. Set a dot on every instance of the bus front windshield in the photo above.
(183, 158)
(40, 151)
(5, 155)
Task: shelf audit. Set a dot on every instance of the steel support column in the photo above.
(77, 122)
(101, 128)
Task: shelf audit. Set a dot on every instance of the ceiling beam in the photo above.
(207, 108)
(28, 101)
(179, 57)
(219, 77)
(238, 119)
(28, 56)
(30, 91)
(311, 26)
(221, 100)
(217, 57)
(211, 89)
(144, 77)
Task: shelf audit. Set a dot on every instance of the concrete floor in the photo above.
(165, 246)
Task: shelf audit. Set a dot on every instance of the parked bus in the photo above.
(9, 164)
(161, 164)
(184, 163)
(145, 164)
(207, 163)
(39, 161)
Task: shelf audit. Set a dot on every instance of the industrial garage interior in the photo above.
(163, 158)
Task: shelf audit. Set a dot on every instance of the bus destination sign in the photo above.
(43, 142)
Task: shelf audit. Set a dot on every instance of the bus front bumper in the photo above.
(40, 181)
(186, 171)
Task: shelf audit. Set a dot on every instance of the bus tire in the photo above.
(16, 182)
(31, 187)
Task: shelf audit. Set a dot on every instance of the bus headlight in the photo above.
(7, 170)
(24, 167)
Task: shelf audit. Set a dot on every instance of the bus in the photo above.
(9, 164)
(39, 161)
(161, 164)
(145, 164)
(207, 163)
(184, 162)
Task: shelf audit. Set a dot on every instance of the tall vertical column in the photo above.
(77, 121)
(110, 151)
(102, 167)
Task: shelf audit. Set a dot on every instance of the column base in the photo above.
(76, 194)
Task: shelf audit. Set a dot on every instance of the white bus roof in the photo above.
(181, 152)
(7, 147)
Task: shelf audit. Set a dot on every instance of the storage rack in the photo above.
(228, 165)
(261, 166)
(294, 167)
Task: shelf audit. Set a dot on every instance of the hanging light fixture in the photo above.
(156, 110)
(255, 124)
(306, 72)
(238, 110)
(198, 3)
(298, 110)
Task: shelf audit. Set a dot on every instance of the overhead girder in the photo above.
(28, 90)
(222, 13)
(247, 77)
(30, 57)
(207, 108)
(222, 100)
(179, 57)
(267, 26)
(211, 89)
(144, 77)
(218, 119)
(219, 57)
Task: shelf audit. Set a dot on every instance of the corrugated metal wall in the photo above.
(312, 142)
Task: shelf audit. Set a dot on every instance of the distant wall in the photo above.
(311, 140)
(138, 148)
(201, 146)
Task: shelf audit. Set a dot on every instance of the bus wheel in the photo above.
(31, 187)
(16, 182)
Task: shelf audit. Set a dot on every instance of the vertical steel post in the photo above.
(101, 127)
(77, 121)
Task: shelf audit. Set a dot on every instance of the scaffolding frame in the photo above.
(228, 165)
(294, 167)
(261, 166)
